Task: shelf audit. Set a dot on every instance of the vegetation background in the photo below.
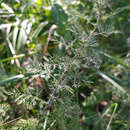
(64, 65)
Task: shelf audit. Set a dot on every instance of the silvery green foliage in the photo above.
(72, 67)
(91, 58)
(4, 108)
(43, 70)
(106, 30)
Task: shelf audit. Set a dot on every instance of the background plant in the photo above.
(82, 81)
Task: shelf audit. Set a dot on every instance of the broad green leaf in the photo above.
(60, 18)
(58, 15)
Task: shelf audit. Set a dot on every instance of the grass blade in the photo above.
(15, 34)
(41, 26)
(27, 4)
(10, 10)
(115, 59)
(11, 79)
(16, 57)
(22, 36)
(115, 84)
(16, 78)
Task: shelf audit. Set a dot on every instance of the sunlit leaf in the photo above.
(60, 18)
(39, 2)
(10, 10)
